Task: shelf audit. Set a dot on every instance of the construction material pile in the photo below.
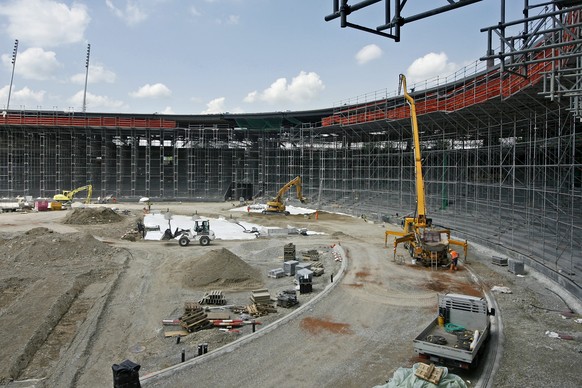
(222, 269)
(90, 216)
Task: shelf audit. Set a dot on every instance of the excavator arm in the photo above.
(276, 205)
(294, 182)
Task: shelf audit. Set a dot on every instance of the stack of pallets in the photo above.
(317, 268)
(194, 320)
(261, 303)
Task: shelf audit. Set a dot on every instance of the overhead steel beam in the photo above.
(341, 9)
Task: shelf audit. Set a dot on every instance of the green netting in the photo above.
(273, 123)
(451, 328)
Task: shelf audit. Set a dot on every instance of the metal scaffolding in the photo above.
(502, 161)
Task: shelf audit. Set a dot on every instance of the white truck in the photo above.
(458, 334)
(13, 204)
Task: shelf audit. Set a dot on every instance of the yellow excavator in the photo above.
(67, 195)
(426, 244)
(276, 205)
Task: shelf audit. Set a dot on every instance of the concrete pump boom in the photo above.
(424, 242)
(420, 200)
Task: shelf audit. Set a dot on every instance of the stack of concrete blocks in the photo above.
(516, 267)
(289, 252)
(304, 278)
(275, 232)
(276, 273)
(500, 261)
(289, 267)
(301, 266)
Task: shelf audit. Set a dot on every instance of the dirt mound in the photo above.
(38, 231)
(42, 246)
(90, 216)
(220, 269)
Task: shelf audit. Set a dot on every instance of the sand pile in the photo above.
(89, 216)
(220, 269)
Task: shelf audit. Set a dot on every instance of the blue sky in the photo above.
(214, 56)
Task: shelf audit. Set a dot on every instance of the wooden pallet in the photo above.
(194, 321)
(430, 373)
(190, 307)
(317, 268)
(259, 310)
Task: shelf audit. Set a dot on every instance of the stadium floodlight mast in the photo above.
(14, 52)
(86, 77)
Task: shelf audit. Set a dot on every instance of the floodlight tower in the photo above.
(86, 77)
(14, 52)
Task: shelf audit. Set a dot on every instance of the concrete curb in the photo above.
(155, 376)
(495, 345)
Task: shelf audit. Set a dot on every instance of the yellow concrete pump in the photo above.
(425, 243)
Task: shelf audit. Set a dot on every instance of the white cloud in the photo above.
(34, 63)
(97, 74)
(302, 88)
(95, 102)
(167, 111)
(233, 19)
(194, 11)
(45, 22)
(368, 53)
(132, 14)
(215, 106)
(25, 96)
(430, 66)
(152, 91)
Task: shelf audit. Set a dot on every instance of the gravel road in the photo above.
(357, 335)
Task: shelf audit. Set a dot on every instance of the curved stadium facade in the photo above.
(502, 159)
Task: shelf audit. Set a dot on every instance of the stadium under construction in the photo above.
(501, 142)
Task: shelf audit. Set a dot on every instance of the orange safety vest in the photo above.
(454, 255)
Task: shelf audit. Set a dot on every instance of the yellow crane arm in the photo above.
(420, 199)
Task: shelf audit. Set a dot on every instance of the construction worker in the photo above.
(454, 259)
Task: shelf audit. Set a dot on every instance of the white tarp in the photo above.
(405, 378)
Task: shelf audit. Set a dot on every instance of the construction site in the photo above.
(493, 153)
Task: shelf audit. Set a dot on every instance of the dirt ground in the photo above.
(80, 291)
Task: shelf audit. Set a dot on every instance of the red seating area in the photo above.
(72, 121)
(447, 98)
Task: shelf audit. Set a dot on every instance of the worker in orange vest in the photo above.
(454, 259)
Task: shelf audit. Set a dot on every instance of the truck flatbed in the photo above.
(470, 315)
